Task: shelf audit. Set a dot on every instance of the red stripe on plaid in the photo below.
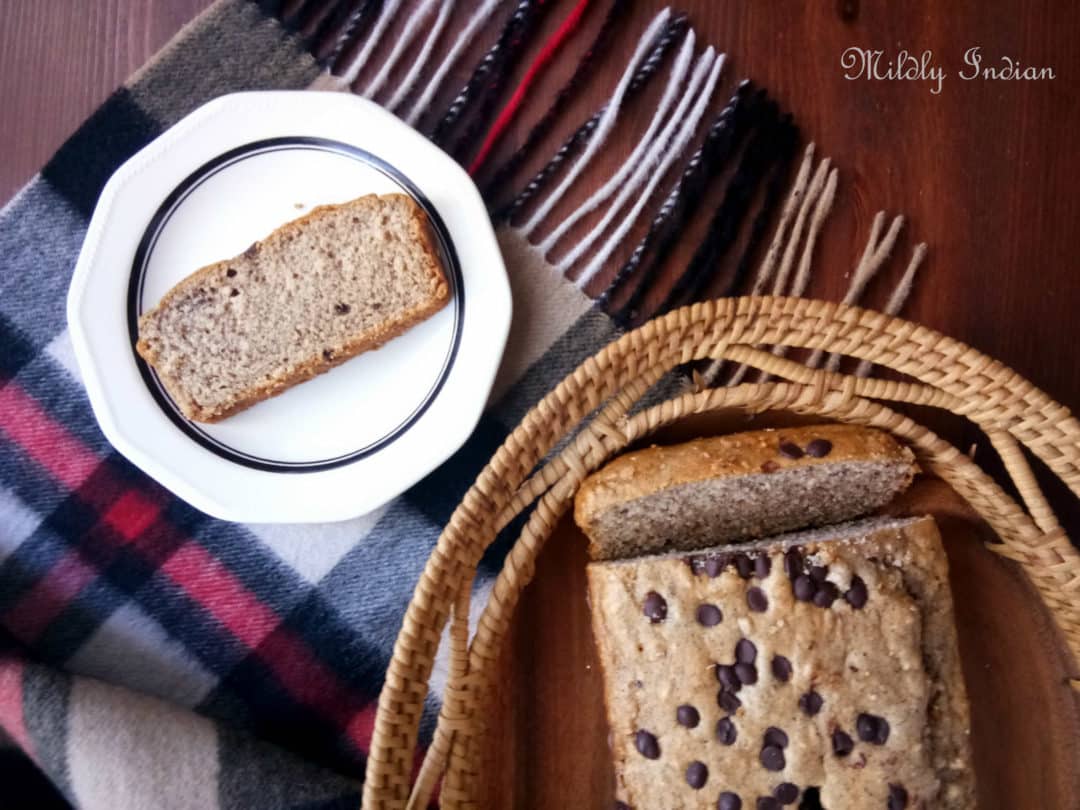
(132, 514)
(291, 660)
(44, 439)
(279, 649)
(215, 588)
(362, 726)
(11, 704)
(28, 618)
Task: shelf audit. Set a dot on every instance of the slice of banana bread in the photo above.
(737, 487)
(814, 670)
(342, 280)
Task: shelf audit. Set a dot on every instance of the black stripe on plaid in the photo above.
(112, 134)
(251, 697)
(16, 350)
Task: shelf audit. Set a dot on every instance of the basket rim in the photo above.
(1010, 409)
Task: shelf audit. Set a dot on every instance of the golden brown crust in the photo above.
(654, 469)
(372, 339)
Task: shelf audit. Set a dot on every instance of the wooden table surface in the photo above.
(986, 171)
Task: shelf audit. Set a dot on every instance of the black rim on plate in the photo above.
(160, 220)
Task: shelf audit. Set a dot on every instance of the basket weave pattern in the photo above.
(945, 374)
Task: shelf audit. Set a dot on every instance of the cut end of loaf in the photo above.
(739, 487)
(339, 281)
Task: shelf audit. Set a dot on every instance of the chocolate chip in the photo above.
(776, 736)
(647, 745)
(729, 801)
(744, 566)
(726, 733)
(328, 355)
(769, 466)
(728, 701)
(811, 703)
(621, 805)
(826, 595)
(747, 674)
(781, 668)
(233, 292)
(898, 797)
(655, 607)
(756, 600)
(342, 309)
(786, 793)
(745, 651)
(819, 573)
(804, 588)
(772, 758)
(790, 450)
(842, 744)
(811, 799)
(767, 803)
(709, 615)
(819, 448)
(728, 677)
(793, 562)
(697, 775)
(857, 594)
(230, 273)
(872, 729)
(714, 566)
(762, 566)
(687, 715)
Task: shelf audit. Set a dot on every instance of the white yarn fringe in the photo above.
(675, 80)
(419, 15)
(656, 165)
(353, 70)
(479, 17)
(821, 213)
(898, 298)
(768, 265)
(421, 60)
(607, 122)
(808, 203)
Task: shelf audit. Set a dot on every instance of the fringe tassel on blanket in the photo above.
(345, 36)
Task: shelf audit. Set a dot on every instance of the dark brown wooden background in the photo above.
(987, 172)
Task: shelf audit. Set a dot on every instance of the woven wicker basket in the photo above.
(945, 374)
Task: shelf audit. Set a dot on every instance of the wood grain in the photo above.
(59, 60)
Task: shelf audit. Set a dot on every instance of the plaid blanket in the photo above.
(151, 656)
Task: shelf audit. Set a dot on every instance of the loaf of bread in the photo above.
(739, 486)
(813, 670)
(342, 280)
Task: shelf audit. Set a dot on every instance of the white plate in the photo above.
(348, 441)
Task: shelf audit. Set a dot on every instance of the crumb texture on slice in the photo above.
(339, 281)
(818, 670)
(739, 486)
